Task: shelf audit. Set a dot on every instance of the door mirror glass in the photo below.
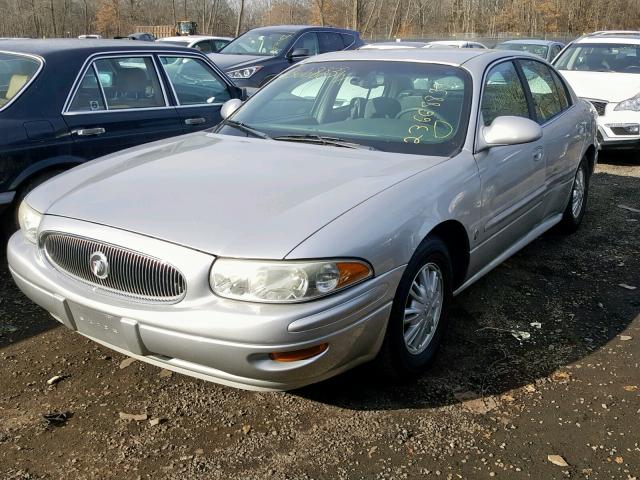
(510, 130)
(229, 107)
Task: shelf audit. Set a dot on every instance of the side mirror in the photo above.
(509, 130)
(229, 107)
(298, 54)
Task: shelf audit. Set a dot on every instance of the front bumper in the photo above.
(205, 336)
(613, 128)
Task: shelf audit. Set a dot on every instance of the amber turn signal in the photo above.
(297, 355)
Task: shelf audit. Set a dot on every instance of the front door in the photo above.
(513, 177)
(119, 103)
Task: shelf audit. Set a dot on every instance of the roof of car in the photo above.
(299, 28)
(629, 37)
(448, 56)
(394, 45)
(192, 38)
(43, 47)
(531, 41)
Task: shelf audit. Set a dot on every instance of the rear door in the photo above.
(513, 176)
(198, 90)
(119, 102)
(562, 129)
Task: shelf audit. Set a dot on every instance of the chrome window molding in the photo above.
(83, 72)
(132, 53)
(26, 86)
(173, 90)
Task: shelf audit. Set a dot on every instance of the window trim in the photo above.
(173, 90)
(94, 59)
(132, 53)
(25, 87)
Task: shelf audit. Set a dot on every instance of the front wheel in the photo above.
(575, 209)
(420, 311)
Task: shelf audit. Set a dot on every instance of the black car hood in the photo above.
(229, 62)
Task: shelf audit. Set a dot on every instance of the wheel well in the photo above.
(38, 173)
(454, 235)
(590, 155)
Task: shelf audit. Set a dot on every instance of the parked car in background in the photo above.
(546, 49)
(142, 36)
(328, 220)
(458, 44)
(254, 58)
(90, 37)
(392, 45)
(63, 102)
(604, 68)
(204, 43)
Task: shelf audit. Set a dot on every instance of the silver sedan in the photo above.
(328, 221)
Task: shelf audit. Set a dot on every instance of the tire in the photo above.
(11, 224)
(400, 358)
(577, 205)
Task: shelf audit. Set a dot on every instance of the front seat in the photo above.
(16, 82)
(382, 107)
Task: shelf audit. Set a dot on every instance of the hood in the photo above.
(225, 195)
(609, 86)
(229, 62)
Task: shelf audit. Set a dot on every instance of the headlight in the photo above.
(29, 220)
(632, 104)
(244, 72)
(284, 281)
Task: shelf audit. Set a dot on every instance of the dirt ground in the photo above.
(492, 407)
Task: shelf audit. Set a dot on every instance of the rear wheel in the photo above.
(577, 206)
(420, 310)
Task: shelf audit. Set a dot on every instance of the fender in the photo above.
(66, 161)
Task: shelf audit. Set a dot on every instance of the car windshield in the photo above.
(600, 57)
(16, 72)
(402, 107)
(259, 42)
(536, 49)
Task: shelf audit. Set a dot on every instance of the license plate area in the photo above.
(99, 325)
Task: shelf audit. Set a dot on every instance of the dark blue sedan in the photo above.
(63, 102)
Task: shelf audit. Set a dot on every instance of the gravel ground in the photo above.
(493, 406)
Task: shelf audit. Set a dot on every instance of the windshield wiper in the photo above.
(246, 129)
(322, 140)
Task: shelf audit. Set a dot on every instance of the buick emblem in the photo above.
(99, 265)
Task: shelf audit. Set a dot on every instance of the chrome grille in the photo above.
(599, 106)
(131, 274)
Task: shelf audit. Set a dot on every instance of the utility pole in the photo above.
(239, 22)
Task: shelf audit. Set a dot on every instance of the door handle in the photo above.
(87, 132)
(195, 121)
(537, 154)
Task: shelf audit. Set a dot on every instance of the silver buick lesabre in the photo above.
(328, 221)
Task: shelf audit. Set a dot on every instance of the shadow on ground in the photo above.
(564, 291)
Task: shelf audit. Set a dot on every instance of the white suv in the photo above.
(604, 68)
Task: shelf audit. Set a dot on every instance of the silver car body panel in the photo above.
(254, 198)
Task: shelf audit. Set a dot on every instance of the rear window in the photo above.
(16, 71)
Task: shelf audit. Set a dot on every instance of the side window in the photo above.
(129, 82)
(308, 41)
(503, 94)
(348, 39)
(330, 42)
(555, 50)
(194, 82)
(88, 97)
(204, 46)
(219, 44)
(544, 91)
(563, 95)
